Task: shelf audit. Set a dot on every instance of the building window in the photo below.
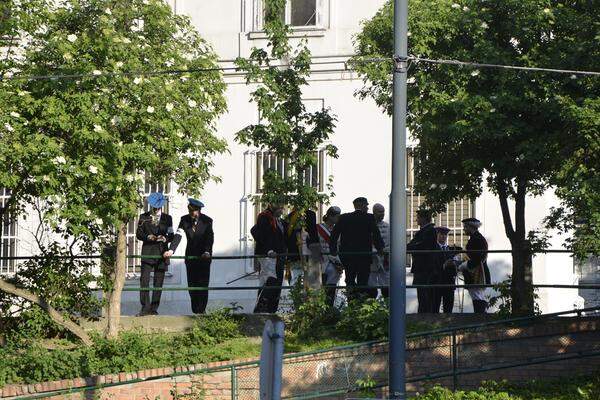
(451, 218)
(297, 14)
(8, 236)
(134, 246)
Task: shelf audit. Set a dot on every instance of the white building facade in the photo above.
(362, 135)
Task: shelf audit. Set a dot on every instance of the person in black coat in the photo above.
(475, 270)
(155, 230)
(423, 263)
(358, 233)
(446, 271)
(198, 230)
(270, 242)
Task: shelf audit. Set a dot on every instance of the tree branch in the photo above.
(52, 312)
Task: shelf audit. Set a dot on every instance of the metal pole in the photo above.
(454, 362)
(397, 354)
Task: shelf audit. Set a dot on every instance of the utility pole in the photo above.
(397, 348)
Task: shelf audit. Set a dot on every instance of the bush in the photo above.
(62, 281)
(312, 317)
(570, 388)
(213, 338)
(364, 319)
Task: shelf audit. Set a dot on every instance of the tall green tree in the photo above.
(506, 129)
(286, 128)
(90, 136)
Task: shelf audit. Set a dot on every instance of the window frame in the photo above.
(322, 11)
(10, 225)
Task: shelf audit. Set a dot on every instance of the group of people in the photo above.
(355, 244)
(160, 241)
(434, 262)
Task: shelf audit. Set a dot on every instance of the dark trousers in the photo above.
(268, 299)
(424, 295)
(329, 291)
(357, 274)
(444, 296)
(198, 275)
(479, 306)
(159, 277)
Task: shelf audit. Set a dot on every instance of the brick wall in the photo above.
(339, 369)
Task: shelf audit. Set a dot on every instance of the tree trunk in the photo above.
(117, 278)
(52, 312)
(522, 273)
(522, 261)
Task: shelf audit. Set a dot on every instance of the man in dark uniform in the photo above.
(475, 270)
(358, 233)
(155, 230)
(198, 230)
(446, 271)
(423, 264)
(270, 241)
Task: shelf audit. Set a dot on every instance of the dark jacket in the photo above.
(199, 240)
(268, 234)
(357, 232)
(477, 242)
(146, 227)
(447, 274)
(424, 239)
(291, 233)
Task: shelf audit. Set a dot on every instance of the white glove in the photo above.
(463, 267)
(271, 254)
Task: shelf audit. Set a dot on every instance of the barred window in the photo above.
(134, 246)
(268, 160)
(451, 218)
(8, 236)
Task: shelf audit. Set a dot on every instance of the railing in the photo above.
(357, 359)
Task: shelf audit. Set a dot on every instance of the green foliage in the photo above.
(503, 300)
(366, 387)
(578, 181)
(215, 338)
(63, 282)
(365, 319)
(285, 127)
(512, 130)
(84, 143)
(312, 317)
(572, 388)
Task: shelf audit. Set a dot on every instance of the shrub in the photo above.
(364, 319)
(213, 338)
(312, 317)
(63, 282)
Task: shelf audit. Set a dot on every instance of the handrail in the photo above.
(288, 356)
(243, 257)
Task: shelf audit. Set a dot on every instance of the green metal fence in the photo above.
(449, 354)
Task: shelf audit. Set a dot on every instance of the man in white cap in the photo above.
(155, 230)
(198, 229)
(475, 270)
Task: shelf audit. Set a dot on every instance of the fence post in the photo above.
(454, 362)
(233, 383)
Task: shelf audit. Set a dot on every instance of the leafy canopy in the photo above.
(83, 142)
(512, 129)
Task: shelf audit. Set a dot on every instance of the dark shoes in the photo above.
(143, 313)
